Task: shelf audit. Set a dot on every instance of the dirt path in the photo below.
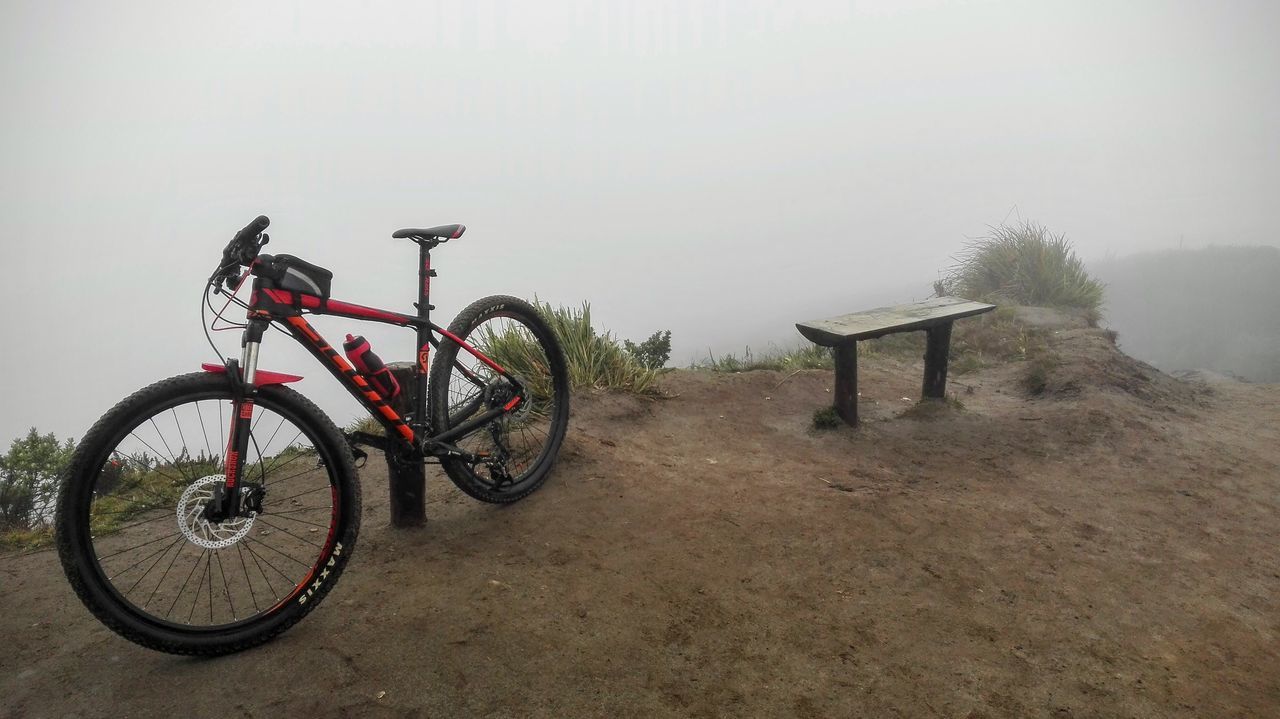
(1106, 554)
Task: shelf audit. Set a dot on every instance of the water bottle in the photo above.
(370, 365)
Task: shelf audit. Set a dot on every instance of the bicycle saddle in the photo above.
(443, 232)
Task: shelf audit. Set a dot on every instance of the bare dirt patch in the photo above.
(1109, 551)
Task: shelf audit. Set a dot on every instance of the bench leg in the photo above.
(846, 400)
(937, 347)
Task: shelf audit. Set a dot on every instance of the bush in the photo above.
(653, 352)
(1027, 265)
(826, 418)
(29, 480)
(1039, 373)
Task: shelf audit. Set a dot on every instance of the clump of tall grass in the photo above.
(595, 358)
(26, 538)
(805, 357)
(809, 356)
(1028, 265)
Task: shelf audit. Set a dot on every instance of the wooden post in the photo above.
(407, 481)
(937, 347)
(846, 399)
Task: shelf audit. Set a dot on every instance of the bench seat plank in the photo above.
(881, 321)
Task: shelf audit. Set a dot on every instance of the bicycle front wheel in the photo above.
(145, 558)
(520, 447)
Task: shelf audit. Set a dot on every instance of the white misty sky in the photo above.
(719, 169)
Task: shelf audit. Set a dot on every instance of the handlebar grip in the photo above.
(253, 229)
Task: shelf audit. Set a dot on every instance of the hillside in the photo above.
(1106, 548)
(1211, 308)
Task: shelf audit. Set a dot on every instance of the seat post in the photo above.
(424, 336)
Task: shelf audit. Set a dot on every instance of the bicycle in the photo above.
(272, 514)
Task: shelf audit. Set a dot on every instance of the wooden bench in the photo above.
(934, 316)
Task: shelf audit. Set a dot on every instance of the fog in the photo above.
(718, 169)
(1211, 308)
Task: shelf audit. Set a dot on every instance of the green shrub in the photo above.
(1025, 264)
(826, 418)
(1039, 372)
(29, 479)
(653, 352)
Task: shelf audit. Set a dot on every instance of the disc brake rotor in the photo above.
(202, 532)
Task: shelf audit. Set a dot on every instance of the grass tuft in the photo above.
(595, 359)
(1026, 264)
(826, 418)
(22, 539)
(1039, 373)
(794, 358)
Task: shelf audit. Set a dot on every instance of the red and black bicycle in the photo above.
(211, 511)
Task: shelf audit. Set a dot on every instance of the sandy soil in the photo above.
(1107, 550)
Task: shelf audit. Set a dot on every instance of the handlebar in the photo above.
(252, 229)
(242, 250)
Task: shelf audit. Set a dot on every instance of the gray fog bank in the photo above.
(717, 169)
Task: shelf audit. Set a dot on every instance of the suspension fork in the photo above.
(244, 391)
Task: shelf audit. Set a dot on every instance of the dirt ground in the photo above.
(1107, 550)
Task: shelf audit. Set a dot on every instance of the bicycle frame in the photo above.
(411, 438)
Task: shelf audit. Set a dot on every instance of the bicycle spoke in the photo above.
(196, 600)
(290, 557)
(173, 462)
(247, 581)
(138, 546)
(203, 431)
(174, 412)
(162, 576)
(301, 509)
(282, 515)
(183, 587)
(269, 564)
(158, 553)
(118, 530)
(146, 513)
(225, 588)
(291, 534)
(303, 473)
(309, 491)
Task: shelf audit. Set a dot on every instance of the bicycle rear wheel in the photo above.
(520, 447)
(142, 556)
